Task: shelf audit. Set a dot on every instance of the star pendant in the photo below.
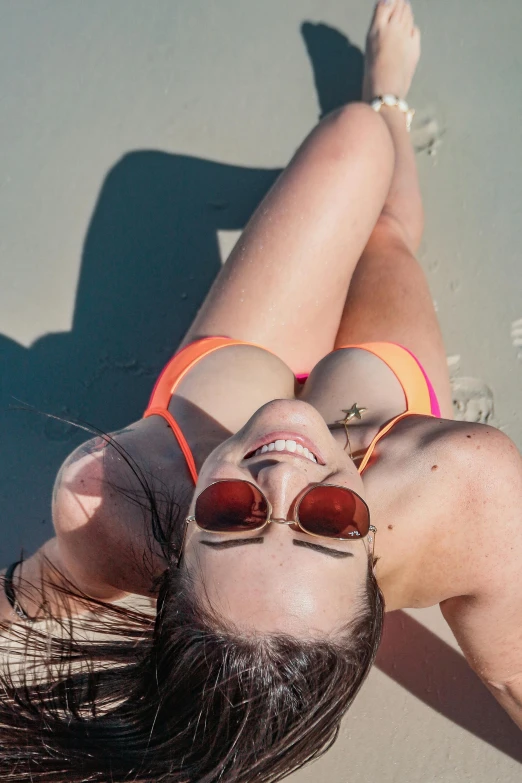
(352, 413)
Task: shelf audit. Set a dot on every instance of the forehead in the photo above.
(277, 587)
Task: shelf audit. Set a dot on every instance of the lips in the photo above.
(270, 437)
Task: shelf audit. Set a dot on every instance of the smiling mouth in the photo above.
(284, 446)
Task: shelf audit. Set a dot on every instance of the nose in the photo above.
(282, 482)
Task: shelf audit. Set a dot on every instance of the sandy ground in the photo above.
(136, 139)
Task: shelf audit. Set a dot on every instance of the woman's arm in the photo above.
(36, 572)
(488, 623)
(490, 635)
(79, 548)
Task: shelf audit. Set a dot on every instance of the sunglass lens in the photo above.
(231, 506)
(334, 512)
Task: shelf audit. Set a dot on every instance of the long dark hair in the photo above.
(175, 697)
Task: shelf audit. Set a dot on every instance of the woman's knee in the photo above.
(356, 126)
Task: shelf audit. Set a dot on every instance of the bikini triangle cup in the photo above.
(420, 397)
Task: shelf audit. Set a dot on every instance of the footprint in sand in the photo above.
(472, 398)
(426, 134)
(472, 401)
(516, 337)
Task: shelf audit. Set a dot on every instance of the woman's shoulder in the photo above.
(486, 461)
(462, 438)
(475, 455)
(493, 464)
(484, 446)
(458, 487)
(482, 468)
(98, 501)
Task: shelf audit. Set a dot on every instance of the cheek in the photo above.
(217, 466)
(222, 459)
(347, 475)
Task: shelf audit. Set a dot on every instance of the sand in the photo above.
(136, 138)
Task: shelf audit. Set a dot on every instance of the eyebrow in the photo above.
(232, 542)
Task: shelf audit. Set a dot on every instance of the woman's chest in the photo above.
(225, 388)
(228, 386)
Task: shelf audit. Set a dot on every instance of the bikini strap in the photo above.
(176, 429)
(172, 374)
(180, 364)
(384, 431)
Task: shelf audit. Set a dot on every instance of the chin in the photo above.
(287, 407)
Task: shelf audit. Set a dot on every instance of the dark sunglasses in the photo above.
(238, 506)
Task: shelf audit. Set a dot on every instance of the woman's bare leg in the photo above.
(286, 280)
(389, 298)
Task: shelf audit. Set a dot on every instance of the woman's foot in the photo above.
(392, 50)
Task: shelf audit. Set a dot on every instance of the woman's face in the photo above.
(279, 579)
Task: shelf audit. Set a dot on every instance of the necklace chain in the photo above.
(355, 412)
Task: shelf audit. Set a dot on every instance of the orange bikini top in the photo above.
(399, 360)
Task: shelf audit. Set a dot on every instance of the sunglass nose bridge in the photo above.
(281, 521)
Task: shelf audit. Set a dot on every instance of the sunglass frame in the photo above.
(268, 520)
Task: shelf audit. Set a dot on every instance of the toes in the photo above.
(403, 13)
(397, 8)
(383, 12)
(408, 14)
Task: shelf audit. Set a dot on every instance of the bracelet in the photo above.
(392, 100)
(10, 593)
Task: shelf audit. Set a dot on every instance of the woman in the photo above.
(315, 505)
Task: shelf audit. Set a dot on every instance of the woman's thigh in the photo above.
(285, 283)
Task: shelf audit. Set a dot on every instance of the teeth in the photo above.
(286, 445)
